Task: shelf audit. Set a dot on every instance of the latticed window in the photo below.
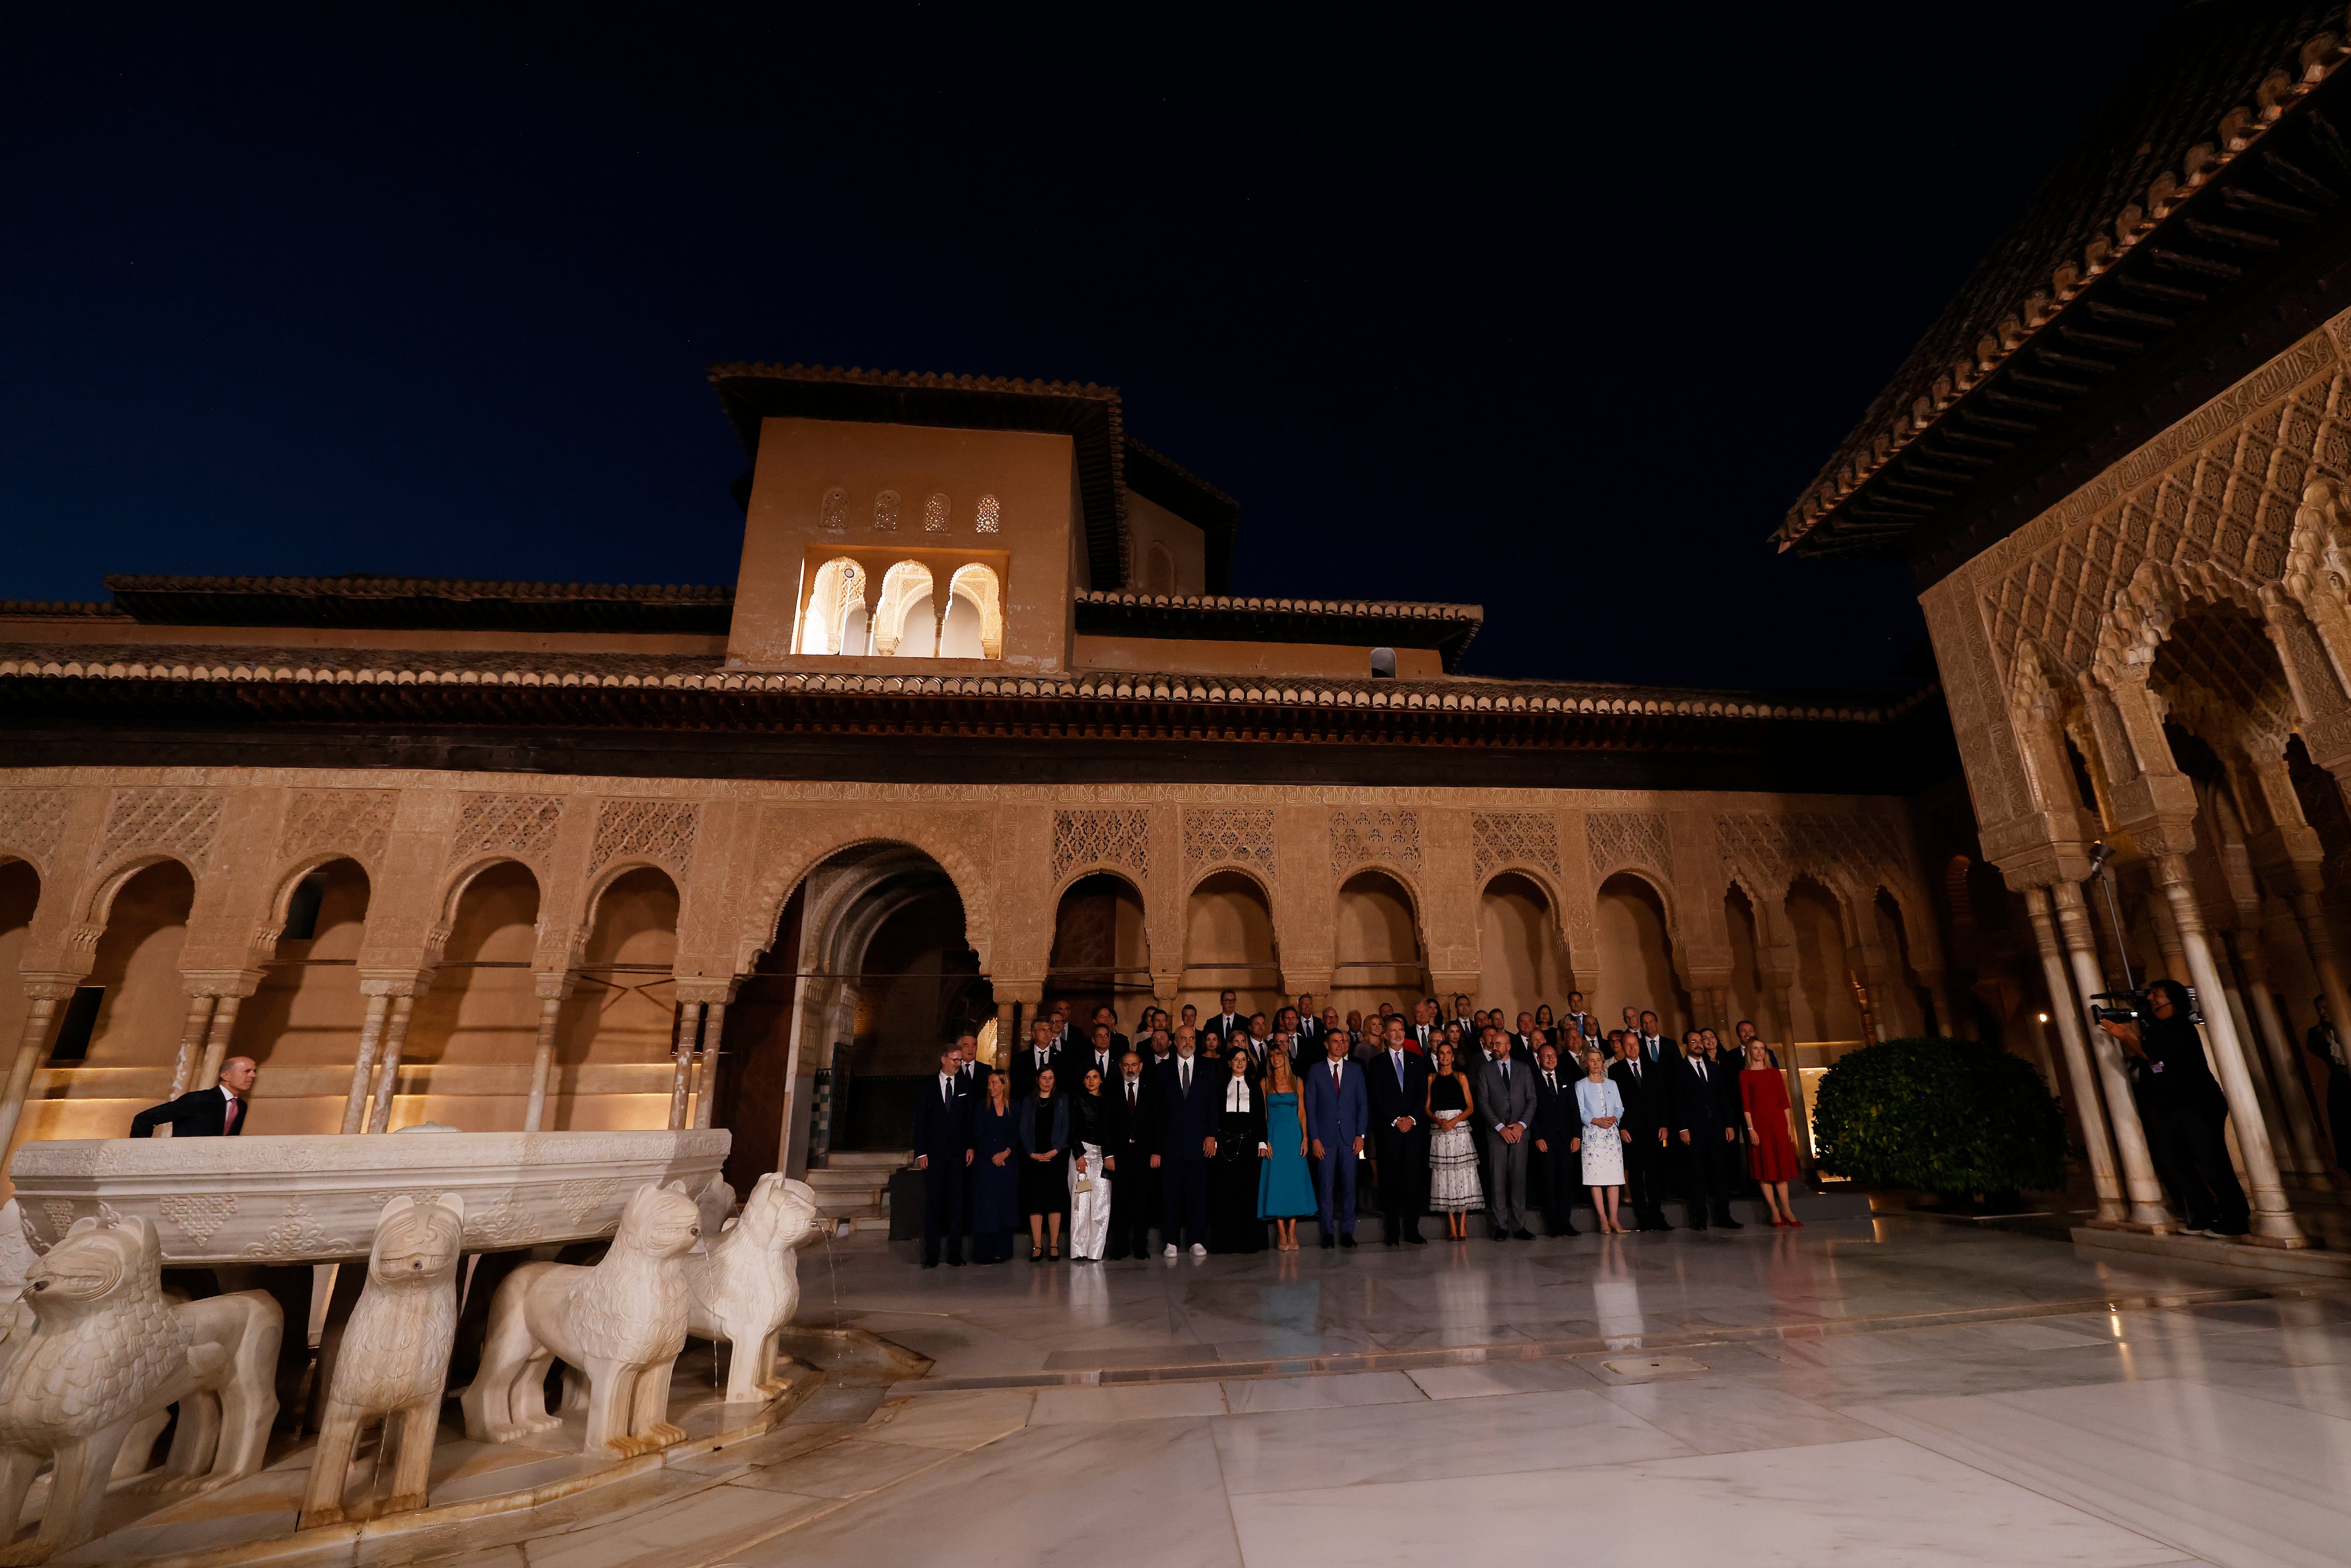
(885, 512)
(934, 513)
(989, 512)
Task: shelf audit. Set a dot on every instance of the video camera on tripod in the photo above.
(2136, 1007)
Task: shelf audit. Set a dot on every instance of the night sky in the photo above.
(1556, 321)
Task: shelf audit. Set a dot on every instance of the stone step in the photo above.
(870, 1200)
(856, 1178)
(867, 1159)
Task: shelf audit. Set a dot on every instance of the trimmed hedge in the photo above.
(1948, 1116)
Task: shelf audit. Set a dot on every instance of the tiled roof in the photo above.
(1375, 622)
(617, 672)
(364, 600)
(2152, 230)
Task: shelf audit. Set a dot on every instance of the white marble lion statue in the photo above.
(109, 1352)
(621, 1322)
(747, 1285)
(396, 1357)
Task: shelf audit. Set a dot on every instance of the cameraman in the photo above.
(2184, 1112)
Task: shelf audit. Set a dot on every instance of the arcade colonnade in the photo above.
(2161, 662)
(494, 952)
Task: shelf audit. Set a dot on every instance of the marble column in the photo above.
(689, 1026)
(2285, 1062)
(2172, 941)
(1006, 1021)
(552, 990)
(378, 1008)
(216, 1040)
(2081, 1077)
(705, 1074)
(2311, 916)
(43, 1000)
(387, 1072)
(192, 1045)
(2273, 1221)
(2141, 1191)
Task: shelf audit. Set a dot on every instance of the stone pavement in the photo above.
(1897, 1390)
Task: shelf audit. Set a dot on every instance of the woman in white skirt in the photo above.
(1453, 1188)
(1088, 1182)
(1602, 1140)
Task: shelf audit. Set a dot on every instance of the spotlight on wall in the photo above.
(2043, 1016)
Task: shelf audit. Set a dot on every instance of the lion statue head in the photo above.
(418, 1242)
(660, 1220)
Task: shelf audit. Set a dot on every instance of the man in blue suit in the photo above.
(943, 1146)
(1338, 1115)
(1188, 1089)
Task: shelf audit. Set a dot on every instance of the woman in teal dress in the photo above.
(1284, 1191)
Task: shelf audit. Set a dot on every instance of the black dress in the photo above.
(1045, 1184)
(1233, 1222)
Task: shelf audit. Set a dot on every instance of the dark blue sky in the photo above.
(1553, 320)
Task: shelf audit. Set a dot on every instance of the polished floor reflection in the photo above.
(1889, 1393)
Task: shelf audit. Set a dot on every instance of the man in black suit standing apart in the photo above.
(1706, 1111)
(1559, 1120)
(942, 1113)
(214, 1113)
(1188, 1141)
(1647, 1093)
(1131, 1157)
(1399, 1090)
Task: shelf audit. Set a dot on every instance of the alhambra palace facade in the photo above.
(980, 727)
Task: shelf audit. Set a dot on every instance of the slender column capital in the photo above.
(709, 990)
(222, 983)
(554, 986)
(400, 982)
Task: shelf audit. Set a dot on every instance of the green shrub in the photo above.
(1947, 1116)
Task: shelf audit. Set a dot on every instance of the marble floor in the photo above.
(1895, 1392)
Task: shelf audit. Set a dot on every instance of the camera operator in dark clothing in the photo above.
(2184, 1112)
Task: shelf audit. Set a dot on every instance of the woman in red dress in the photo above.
(1771, 1147)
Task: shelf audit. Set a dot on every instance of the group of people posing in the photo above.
(1224, 1132)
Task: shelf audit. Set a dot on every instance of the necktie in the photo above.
(946, 1091)
(1335, 1075)
(228, 1123)
(1184, 1071)
(1130, 1094)
(1551, 1083)
(1506, 1073)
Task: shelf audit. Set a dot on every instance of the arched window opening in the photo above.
(975, 622)
(885, 512)
(934, 513)
(1384, 664)
(988, 513)
(835, 600)
(904, 612)
(832, 512)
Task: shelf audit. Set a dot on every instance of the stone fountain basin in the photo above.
(314, 1199)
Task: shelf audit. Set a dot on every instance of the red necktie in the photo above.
(228, 1123)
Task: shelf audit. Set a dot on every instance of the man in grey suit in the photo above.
(1506, 1102)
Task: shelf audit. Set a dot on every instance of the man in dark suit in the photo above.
(1583, 1022)
(942, 1113)
(1647, 1094)
(1425, 1031)
(1657, 1050)
(1338, 1115)
(1040, 1053)
(1558, 1121)
(1399, 1088)
(1131, 1157)
(1525, 1038)
(214, 1113)
(1258, 1039)
(970, 1071)
(1065, 1033)
(1309, 1044)
(1187, 1142)
(1227, 1022)
(1707, 1113)
(1102, 1057)
(1104, 1017)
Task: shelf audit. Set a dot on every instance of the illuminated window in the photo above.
(934, 513)
(988, 513)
